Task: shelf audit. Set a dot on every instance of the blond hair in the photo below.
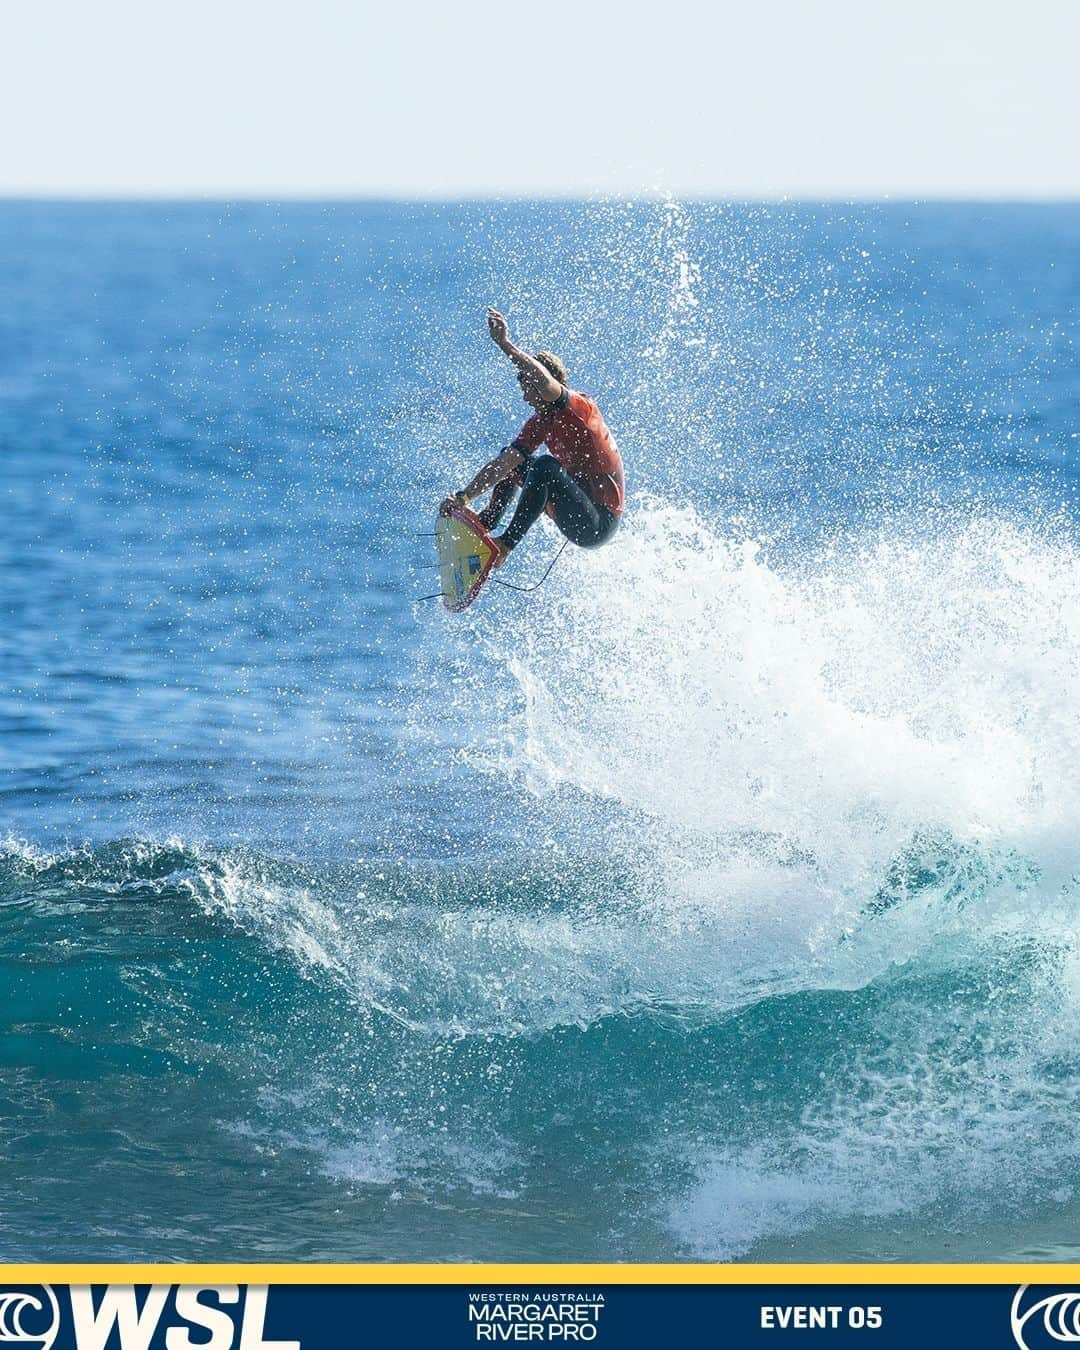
(552, 365)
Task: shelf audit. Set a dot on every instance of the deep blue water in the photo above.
(717, 901)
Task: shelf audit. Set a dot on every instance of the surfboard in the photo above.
(466, 556)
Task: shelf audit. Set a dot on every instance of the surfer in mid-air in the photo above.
(579, 483)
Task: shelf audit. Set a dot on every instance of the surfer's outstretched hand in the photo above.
(449, 503)
(498, 327)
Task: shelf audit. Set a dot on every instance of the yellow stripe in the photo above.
(1059, 1273)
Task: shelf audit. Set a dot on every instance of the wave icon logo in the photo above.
(29, 1317)
(1060, 1320)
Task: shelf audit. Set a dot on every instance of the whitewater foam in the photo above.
(840, 705)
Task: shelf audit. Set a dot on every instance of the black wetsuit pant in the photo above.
(576, 514)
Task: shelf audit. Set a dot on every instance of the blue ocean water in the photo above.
(716, 901)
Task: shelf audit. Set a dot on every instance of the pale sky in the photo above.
(800, 98)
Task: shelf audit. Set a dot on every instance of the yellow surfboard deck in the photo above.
(466, 555)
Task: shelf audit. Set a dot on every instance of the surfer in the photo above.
(579, 483)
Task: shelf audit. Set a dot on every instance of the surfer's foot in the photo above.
(502, 552)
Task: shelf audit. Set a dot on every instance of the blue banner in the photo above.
(225, 1316)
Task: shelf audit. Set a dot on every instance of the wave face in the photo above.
(716, 901)
(795, 968)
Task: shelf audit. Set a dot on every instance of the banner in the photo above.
(621, 1307)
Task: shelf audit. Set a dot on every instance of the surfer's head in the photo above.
(553, 366)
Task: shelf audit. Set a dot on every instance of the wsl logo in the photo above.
(1039, 1322)
(29, 1318)
(122, 1317)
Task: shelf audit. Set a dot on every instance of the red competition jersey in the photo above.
(574, 431)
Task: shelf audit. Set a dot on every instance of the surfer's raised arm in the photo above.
(546, 385)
